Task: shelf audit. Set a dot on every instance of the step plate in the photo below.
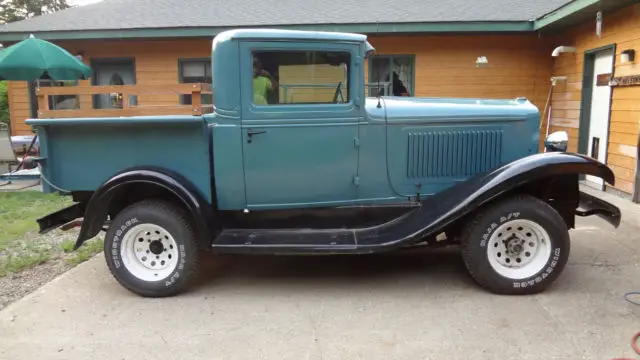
(308, 240)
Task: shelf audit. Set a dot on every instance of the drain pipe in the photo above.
(554, 81)
(562, 49)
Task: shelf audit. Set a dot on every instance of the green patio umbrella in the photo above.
(34, 59)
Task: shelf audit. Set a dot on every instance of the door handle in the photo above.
(250, 134)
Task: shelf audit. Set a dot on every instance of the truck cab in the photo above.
(319, 140)
(297, 158)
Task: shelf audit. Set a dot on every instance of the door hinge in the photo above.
(356, 180)
(356, 141)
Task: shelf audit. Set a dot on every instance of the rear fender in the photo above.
(98, 205)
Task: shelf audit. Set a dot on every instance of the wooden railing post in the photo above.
(125, 100)
(43, 102)
(195, 100)
(85, 100)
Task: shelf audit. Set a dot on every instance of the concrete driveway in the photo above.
(411, 305)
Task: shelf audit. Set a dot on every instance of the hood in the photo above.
(420, 110)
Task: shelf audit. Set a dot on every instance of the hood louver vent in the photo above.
(452, 154)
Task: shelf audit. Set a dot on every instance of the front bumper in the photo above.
(592, 205)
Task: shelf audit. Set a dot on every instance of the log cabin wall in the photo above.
(441, 65)
(622, 30)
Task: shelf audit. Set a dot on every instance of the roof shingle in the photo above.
(137, 14)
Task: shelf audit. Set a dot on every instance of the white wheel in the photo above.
(519, 249)
(151, 249)
(149, 252)
(519, 245)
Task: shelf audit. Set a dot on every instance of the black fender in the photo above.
(438, 212)
(459, 200)
(96, 210)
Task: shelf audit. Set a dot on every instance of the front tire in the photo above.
(516, 247)
(151, 249)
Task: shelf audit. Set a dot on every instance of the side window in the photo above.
(195, 71)
(300, 77)
(391, 75)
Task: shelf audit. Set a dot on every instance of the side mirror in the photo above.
(557, 141)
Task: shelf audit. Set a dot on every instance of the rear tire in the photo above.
(518, 246)
(151, 249)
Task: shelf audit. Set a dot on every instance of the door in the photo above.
(599, 112)
(299, 124)
(113, 72)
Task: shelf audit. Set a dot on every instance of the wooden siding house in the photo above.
(145, 57)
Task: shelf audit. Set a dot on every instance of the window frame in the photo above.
(347, 72)
(390, 58)
(328, 112)
(181, 62)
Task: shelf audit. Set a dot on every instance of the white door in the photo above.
(600, 108)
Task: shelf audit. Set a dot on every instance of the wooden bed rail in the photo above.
(123, 93)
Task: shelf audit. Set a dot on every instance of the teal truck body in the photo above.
(333, 172)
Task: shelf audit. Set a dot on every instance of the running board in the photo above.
(409, 228)
(286, 241)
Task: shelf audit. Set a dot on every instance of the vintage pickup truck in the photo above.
(324, 169)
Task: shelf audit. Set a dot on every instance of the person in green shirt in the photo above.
(263, 82)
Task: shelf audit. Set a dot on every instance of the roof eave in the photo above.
(577, 11)
(370, 28)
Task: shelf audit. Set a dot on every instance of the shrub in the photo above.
(4, 103)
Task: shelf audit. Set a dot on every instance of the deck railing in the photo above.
(144, 100)
(123, 100)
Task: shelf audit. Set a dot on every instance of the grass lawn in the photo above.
(21, 247)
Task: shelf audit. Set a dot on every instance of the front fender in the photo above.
(545, 165)
(444, 208)
(97, 207)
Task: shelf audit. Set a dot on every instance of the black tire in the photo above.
(477, 235)
(172, 220)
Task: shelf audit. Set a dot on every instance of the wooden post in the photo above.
(125, 100)
(85, 100)
(195, 100)
(43, 102)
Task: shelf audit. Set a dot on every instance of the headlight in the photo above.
(557, 141)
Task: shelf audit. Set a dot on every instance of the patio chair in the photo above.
(10, 165)
(8, 158)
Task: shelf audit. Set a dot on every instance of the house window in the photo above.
(195, 71)
(300, 77)
(61, 102)
(391, 75)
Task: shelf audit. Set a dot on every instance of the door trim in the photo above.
(586, 100)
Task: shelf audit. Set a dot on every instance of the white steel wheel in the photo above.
(151, 249)
(519, 249)
(149, 252)
(516, 246)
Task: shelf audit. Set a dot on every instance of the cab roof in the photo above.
(290, 35)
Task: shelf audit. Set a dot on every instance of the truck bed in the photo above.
(95, 149)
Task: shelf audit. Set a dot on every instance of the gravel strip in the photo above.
(15, 286)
